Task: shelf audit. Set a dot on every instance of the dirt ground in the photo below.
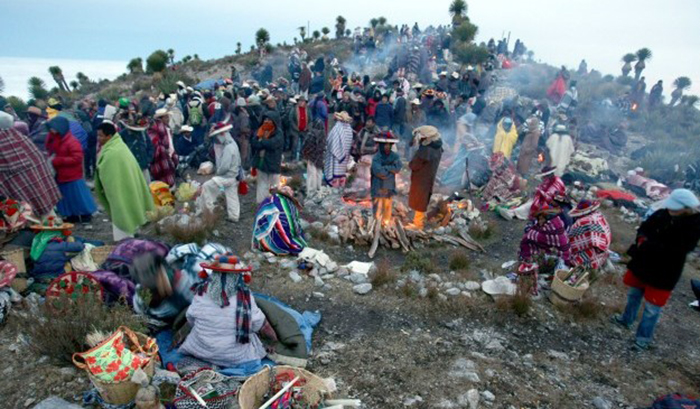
(392, 349)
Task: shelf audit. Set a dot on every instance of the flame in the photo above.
(367, 203)
(540, 157)
(635, 106)
(283, 180)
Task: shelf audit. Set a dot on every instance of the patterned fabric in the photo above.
(552, 186)
(14, 215)
(25, 173)
(338, 152)
(164, 162)
(277, 229)
(112, 361)
(243, 310)
(504, 183)
(547, 238)
(123, 255)
(590, 238)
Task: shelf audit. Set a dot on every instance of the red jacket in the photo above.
(68, 157)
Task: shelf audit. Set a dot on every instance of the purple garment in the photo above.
(115, 286)
(123, 255)
(21, 127)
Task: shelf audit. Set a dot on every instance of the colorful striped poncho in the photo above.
(277, 229)
(590, 238)
(548, 238)
(338, 147)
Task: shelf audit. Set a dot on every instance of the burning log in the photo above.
(375, 239)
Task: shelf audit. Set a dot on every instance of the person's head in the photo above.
(386, 148)
(59, 126)
(507, 124)
(681, 202)
(385, 98)
(301, 101)
(105, 132)
(346, 96)
(370, 122)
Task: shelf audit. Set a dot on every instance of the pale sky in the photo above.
(104, 36)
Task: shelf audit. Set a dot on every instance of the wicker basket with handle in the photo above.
(254, 389)
(100, 254)
(563, 293)
(15, 256)
(123, 392)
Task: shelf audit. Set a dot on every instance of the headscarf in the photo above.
(59, 124)
(6, 120)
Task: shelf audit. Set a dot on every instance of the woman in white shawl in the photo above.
(338, 151)
(561, 147)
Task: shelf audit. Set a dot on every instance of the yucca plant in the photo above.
(681, 84)
(643, 54)
(628, 59)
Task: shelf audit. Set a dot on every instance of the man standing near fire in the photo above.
(424, 167)
(385, 165)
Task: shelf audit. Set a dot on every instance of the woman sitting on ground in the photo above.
(589, 236)
(543, 235)
(225, 320)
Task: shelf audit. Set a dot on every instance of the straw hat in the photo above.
(584, 207)
(418, 86)
(416, 101)
(343, 117)
(443, 74)
(186, 128)
(220, 128)
(455, 75)
(386, 137)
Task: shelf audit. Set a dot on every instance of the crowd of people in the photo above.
(426, 111)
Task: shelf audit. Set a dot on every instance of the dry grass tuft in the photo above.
(459, 261)
(196, 230)
(419, 262)
(60, 334)
(384, 274)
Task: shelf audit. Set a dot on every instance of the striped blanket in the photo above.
(548, 238)
(277, 229)
(590, 238)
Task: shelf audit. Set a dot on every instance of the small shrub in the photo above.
(320, 235)
(433, 292)
(409, 290)
(195, 230)
(384, 274)
(60, 334)
(588, 309)
(418, 261)
(459, 261)
(481, 229)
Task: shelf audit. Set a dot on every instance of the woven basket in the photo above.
(16, 257)
(120, 393)
(254, 389)
(562, 293)
(100, 254)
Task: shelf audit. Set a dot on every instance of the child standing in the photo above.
(385, 165)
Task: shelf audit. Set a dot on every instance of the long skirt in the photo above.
(77, 199)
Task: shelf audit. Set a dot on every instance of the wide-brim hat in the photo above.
(443, 74)
(455, 75)
(343, 117)
(416, 101)
(186, 128)
(220, 128)
(61, 227)
(585, 207)
(418, 85)
(386, 137)
(547, 210)
(160, 113)
(429, 92)
(426, 134)
(546, 171)
(34, 110)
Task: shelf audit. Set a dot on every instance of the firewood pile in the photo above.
(352, 219)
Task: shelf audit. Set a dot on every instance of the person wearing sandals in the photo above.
(658, 256)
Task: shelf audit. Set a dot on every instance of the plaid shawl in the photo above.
(545, 192)
(550, 237)
(338, 151)
(164, 164)
(590, 238)
(25, 174)
(503, 184)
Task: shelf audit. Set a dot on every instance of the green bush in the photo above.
(157, 61)
(420, 262)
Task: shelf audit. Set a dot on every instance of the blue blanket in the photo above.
(307, 322)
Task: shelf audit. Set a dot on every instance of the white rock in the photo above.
(470, 399)
(318, 282)
(423, 292)
(357, 278)
(488, 396)
(412, 400)
(435, 277)
(318, 295)
(472, 286)
(317, 225)
(453, 291)
(557, 355)
(53, 402)
(362, 289)
(601, 403)
(295, 276)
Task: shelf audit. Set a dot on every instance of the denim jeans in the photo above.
(645, 331)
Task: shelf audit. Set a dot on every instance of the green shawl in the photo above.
(120, 186)
(41, 241)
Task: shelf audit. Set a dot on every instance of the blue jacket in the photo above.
(384, 115)
(384, 169)
(54, 258)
